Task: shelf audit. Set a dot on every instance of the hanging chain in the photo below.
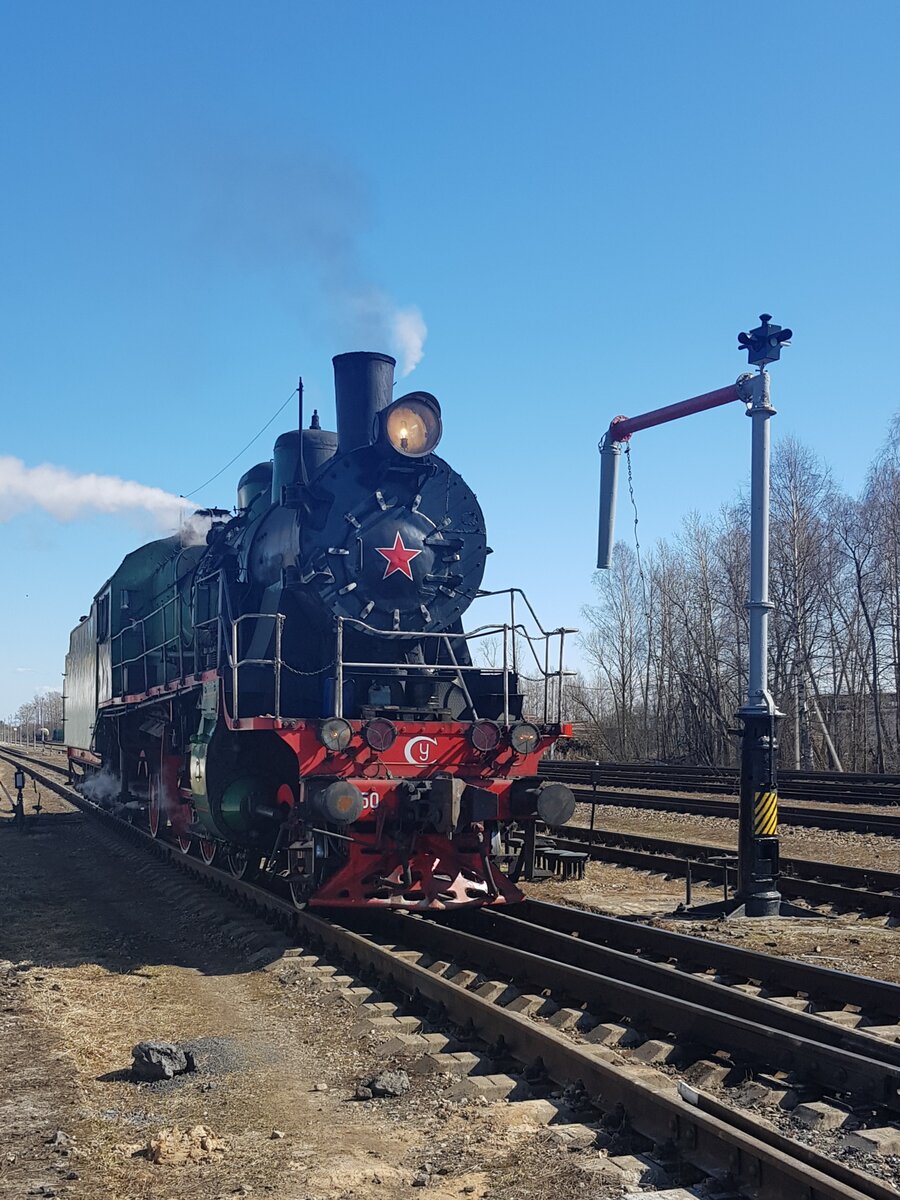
(637, 542)
(308, 674)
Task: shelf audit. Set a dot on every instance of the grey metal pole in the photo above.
(339, 668)
(506, 681)
(760, 412)
(758, 813)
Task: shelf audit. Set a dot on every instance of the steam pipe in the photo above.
(609, 486)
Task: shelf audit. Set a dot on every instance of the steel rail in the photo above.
(654, 997)
(20, 747)
(856, 889)
(40, 759)
(814, 892)
(886, 825)
(789, 774)
(800, 978)
(803, 868)
(832, 789)
(838, 986)
(710, 994)
(763, 1163)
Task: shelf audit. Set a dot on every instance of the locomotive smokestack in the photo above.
(363, 386)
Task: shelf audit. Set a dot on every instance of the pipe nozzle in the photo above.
(609, 480)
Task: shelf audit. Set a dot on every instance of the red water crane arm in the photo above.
(621, 428)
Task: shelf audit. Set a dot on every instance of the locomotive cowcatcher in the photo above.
(296, 695)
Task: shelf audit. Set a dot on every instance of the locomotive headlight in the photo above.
(335, 734)
(524, 738)
(412, 424)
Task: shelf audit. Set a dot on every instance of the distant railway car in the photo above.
(294, 693)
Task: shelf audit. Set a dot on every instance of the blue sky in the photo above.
(586, 201)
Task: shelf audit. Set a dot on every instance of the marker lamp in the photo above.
(524, 738)
(335, 734)
(485, 736)
(379, 733)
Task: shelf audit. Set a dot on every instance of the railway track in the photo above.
(845, 888)
(552, 990)
(887, 824)
(821, 787)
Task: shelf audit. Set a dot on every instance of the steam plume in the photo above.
(102, 788)
(409, 332)
(373, 317)
(67, 496)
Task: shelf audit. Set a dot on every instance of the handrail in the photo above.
(235, 662)
(510, 633)
(227, 649)
(514, 591)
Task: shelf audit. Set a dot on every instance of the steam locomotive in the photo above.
(294, 693)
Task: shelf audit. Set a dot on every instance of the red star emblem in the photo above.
(398, 557)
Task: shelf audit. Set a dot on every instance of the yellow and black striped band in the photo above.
(765, 814)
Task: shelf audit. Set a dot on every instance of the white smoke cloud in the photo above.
(376, 322)
(194, 528)
(409, 331)
(67, 496)
(371, 320)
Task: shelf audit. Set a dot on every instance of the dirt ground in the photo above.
(96, 955)
(99, 949)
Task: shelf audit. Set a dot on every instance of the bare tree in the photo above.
(668, 643)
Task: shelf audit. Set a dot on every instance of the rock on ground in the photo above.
(160, 1060)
